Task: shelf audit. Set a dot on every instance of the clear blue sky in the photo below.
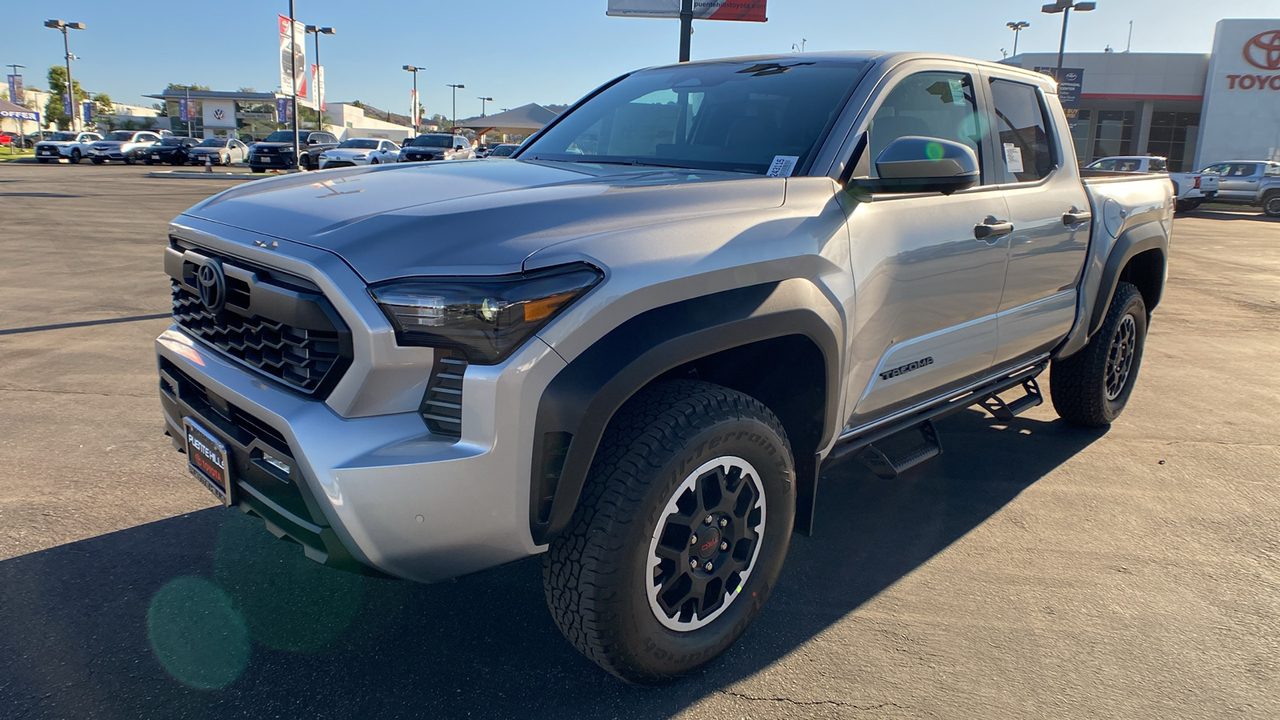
(546, 51)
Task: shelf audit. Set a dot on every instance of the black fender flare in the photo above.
(1131, 243)
(580, 401)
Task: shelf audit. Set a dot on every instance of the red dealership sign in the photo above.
(737, 10)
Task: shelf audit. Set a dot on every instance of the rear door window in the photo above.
(1022, 125)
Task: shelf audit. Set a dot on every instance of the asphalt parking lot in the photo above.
(1032, 571)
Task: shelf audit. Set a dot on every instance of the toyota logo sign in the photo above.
(1263, 50)
(212, 285)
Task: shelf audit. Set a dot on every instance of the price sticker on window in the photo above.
(1013, 158)
(782, 165)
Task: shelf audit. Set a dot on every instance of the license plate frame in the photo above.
(208, 460)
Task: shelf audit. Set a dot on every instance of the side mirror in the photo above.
(914, 164)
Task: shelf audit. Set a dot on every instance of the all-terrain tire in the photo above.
(1091, 387)
(1271, 205)
(599, 574)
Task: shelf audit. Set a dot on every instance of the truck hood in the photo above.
(473, 217)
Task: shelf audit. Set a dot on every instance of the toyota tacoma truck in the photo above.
(632, 348)
(1249, 182)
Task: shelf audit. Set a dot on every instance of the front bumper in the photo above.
(371, 486)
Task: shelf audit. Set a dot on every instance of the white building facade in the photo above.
(1195, 109)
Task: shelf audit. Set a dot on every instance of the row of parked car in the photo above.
(316, 149)
(1254, 183)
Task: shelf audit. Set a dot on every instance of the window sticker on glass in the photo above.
(1013, 158)
(782, 165)
(957, 91)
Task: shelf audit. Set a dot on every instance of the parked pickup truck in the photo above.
(1189, 189)
(1255, 183)
(631, 348)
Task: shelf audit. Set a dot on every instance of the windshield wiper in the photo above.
(634, 163)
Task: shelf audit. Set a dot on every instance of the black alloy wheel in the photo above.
(1092, 387)
(1271, 205)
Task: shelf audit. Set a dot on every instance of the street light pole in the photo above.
(293, 72)
(484, 100)
(66, 44)
(454, 120)
(318, 31)
(1017, 28)
(1065, 7)
(413, 110)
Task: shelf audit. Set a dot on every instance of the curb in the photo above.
(192, 175)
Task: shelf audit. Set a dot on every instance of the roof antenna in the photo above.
(1130, 43)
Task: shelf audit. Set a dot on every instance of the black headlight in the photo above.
(486, 318)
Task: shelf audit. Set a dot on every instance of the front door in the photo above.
(927, 287)
(1238, 181)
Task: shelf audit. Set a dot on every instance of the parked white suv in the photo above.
(1189, 189)
(70, 145)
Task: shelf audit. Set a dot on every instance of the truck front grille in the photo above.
(279, 325)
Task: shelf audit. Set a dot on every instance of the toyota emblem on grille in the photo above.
(212, 285)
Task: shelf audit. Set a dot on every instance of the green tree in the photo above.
(161, 108)
(102, 105)
(53, 110)
(180, 86)
(357, 103)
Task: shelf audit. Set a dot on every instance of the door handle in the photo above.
(991, 229)
(1076, 217)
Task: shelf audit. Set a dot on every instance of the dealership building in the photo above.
(1195, 109)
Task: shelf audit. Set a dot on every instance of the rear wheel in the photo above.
(304, 162)
(42, 160)
(75, 156)
(681, 532)
(95, 161)
(257, 169)
(1271, 205)
(1092, 387)
(130, 159)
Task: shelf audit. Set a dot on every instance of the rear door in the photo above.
(928, 287)
(1049, 210)
(1239, 181)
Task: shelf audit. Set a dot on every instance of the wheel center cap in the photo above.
(708, 544)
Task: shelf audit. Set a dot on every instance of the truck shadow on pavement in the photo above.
(207, 615)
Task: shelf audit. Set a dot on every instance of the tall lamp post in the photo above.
(1017, 28)
(454, 120)
(66, 44)
(484, 100)
(318, 31)
(413, 110)
(1065, 7)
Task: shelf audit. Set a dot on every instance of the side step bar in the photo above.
(852, 445)
(899, 453)
(1006, 411)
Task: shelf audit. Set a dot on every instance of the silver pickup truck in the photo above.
(631, 348)
(1249, 182)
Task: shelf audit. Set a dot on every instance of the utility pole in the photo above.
(414, 115)
(1017, 28)
(484, 100)
(686, 28)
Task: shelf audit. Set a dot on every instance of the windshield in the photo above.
(120, 136)
(739, 116)
(213, 142)
(361, 144)
(171, 141)
(63, 137)
(280, 136)
(503, 150)
(443, 141)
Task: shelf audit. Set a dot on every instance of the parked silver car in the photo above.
(126, 145)
(218, 151)
(360, 151)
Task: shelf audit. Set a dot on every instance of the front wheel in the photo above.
(304, 162)
(373, 161)
(680, 534)
(1092, 387)
(75, 156)
(1271, 205)
(95, 161)
(130, 159)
